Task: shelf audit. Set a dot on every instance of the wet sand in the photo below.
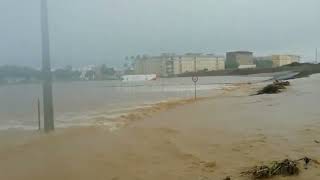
(208, 139)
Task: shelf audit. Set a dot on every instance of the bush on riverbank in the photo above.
(274, 88)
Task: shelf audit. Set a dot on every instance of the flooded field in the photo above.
(79, 103)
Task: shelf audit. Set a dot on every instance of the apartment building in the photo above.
(171, 64)
(198, 62)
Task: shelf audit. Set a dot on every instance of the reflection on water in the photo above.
(78, 102)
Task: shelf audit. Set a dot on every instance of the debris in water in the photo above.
(286, 168)
(281, 83)
(270, 89)
(307, 161)
(274, 88)
(316, 141)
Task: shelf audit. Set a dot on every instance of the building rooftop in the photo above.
(241, 52)
(176, 56)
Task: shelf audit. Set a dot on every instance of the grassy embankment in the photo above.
(304, 70)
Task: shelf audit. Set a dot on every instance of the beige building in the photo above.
(160, 65)
(197, 62)
(170, 64)
(281, 60)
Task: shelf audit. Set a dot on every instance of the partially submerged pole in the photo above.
(195, 91)
(39, 115)
(46, 71)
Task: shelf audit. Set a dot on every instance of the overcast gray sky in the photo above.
(105, 31)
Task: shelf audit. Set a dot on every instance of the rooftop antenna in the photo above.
(46, 71)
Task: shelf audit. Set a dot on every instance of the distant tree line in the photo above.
(105, 73)
(66, 74)
(22, 74)
(263, 63)
(10, 73)
(231, 64)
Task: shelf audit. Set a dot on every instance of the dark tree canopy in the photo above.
(232, 64)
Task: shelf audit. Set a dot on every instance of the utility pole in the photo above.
(39, 115)
(316, 55)
(46, 71)
(195, 77)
